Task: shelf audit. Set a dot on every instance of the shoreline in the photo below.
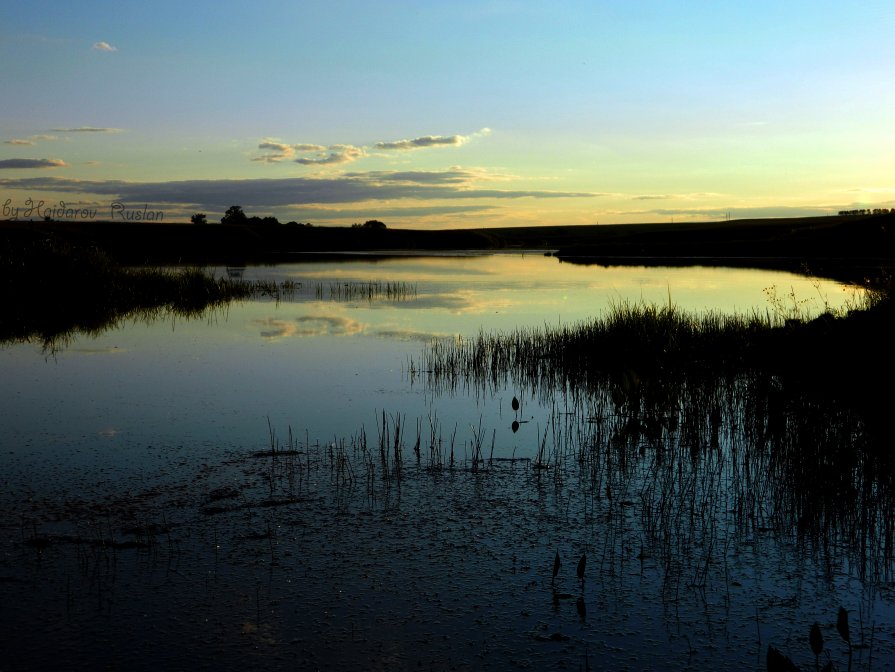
(841, 244)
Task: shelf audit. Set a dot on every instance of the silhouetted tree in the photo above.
(867, 211)
(374, 224)
(234, 215)
(263, 221)
(199, 218)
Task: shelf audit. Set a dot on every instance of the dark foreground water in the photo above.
(272, 488)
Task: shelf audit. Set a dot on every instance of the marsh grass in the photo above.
(649, 345)
(711, 428)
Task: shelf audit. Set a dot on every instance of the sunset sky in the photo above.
(449, 114)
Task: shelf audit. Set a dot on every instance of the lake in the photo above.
(282, 483)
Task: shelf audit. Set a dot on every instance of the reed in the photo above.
(370, 291)
(648, 347)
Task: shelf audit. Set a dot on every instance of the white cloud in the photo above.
(337, 154)
(31, 140)
(103, 46)
(318, 155)
(315, 155)
(424, 141)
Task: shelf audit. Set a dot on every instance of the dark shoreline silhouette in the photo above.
(842, 247)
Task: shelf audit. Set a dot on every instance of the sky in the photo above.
(446, 114)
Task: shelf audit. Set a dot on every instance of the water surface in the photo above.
(339, 554)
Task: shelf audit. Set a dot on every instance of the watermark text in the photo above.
(32, 208)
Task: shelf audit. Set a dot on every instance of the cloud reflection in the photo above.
(309, 325)
(408, 335)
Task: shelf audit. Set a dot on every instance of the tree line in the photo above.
(236, 215)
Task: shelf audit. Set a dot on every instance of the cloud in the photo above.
(425, 141)
(294, 191)
(31, 140)
(356, 214)
(87, 129)
(336, 154)
(430, 141)
(317, 155)
(454, 176)
(696, 196)
(871, 190)
(743, 212)
(278, 151)
(276, 146)
(33, 163)
(284, 148)
(103, 46)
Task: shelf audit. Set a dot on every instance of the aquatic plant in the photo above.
(373, 290)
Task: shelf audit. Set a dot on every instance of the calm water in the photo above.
(327, 366)
(442, 568)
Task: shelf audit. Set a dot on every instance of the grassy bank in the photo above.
(55, 289)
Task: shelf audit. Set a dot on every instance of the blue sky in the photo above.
(450, 114)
